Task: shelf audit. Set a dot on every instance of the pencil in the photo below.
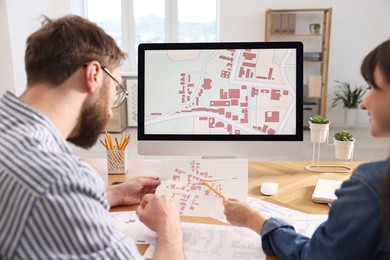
(103, 144)
(126, 142)
(121, 141)
(109, 140)
(213, 189)
(118, 147)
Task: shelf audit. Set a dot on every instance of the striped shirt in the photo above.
(52, 204)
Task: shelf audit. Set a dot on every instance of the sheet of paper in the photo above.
(206, 241)
(303, 223)
(181, 181)
(129, 224)
(213, 242)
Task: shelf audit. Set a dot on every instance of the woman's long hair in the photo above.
(380, 57)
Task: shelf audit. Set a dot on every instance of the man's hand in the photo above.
(160, 215)
(132, 191)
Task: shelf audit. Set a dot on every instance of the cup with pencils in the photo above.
(116, 153)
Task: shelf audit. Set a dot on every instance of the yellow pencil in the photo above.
(109, 140)
(121, 140)
(103, 144)
(125, 143)
(118, 147)
(213, 189)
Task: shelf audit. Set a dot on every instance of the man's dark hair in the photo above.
(61, 46)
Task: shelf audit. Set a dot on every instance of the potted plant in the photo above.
(314, 28)
(319, 128)
(319, 119)
(344, 143)
(350, 98)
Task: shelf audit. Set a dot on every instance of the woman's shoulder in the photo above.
(372, 169)
(372, 174)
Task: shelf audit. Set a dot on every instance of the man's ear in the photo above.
(92, 76)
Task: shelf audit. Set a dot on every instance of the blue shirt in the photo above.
(52, 204)
(354, 229)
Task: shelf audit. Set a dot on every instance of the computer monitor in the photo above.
(220, 99)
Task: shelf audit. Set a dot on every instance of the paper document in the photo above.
(214, 242)
(206, 241)
(200, 241)
(130, 225)
(181, 180)
(303, 223)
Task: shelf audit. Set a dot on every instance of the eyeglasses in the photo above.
(121, 94)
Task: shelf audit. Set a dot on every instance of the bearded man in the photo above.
(53, 205)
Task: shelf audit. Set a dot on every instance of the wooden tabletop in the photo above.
(296, 184)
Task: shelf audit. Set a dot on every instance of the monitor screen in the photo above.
(220, 99)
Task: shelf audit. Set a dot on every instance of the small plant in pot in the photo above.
(344, 136)
(344, 143)
(319, 119)
(319, 128)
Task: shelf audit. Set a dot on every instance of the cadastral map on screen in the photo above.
(226, 91)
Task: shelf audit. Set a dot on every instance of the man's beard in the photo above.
(92, 121)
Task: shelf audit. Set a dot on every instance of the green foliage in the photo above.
(343, 136)
(350, 98)
(319, 119)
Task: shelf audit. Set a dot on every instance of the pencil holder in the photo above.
(117, 161)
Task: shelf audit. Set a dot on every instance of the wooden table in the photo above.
(296, 184)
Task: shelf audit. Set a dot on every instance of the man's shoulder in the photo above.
(36, 170)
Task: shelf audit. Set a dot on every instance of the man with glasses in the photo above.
(121, 93)
(53, 205)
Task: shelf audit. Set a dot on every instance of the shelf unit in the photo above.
(294, 25)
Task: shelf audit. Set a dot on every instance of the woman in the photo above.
(358, 226)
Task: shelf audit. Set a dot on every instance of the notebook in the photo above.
(324, 191)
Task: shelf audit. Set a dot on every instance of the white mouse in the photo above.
(269, 188)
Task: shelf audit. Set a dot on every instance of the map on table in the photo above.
(181, 180)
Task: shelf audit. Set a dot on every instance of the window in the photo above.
(197, 21)
(131, 22)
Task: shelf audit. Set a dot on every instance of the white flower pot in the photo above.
(318, 132)
(351, 117)
(343, 150)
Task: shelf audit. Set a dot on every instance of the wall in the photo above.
(6, 73)
(18, 19)
(357, 26)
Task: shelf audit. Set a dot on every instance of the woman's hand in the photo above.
(243, 215)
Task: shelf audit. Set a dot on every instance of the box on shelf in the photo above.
(283, 23)
(312, 56)
(314, 86)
